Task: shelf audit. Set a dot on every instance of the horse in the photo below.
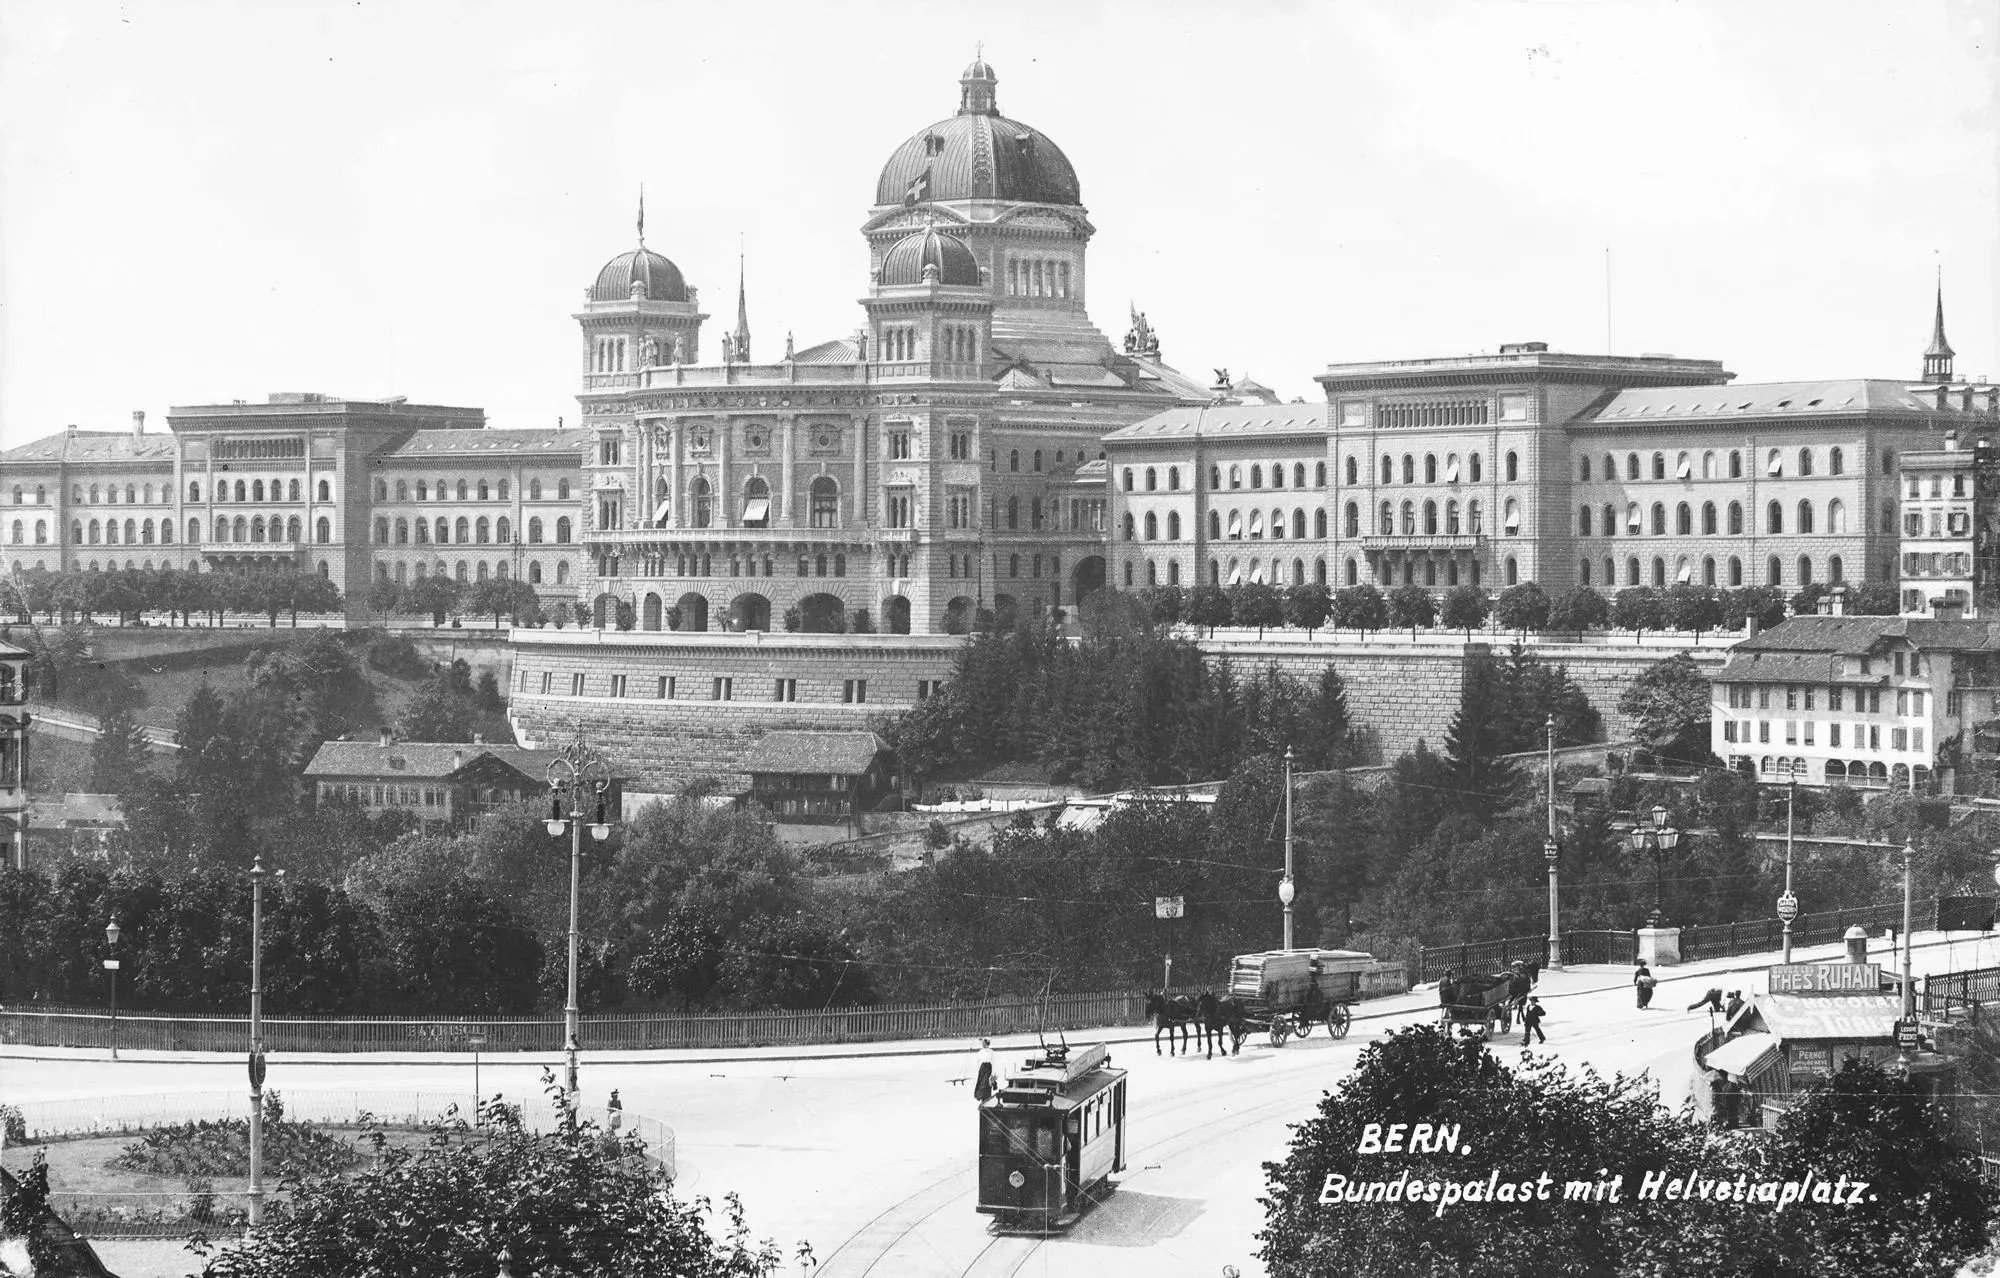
(1217, 1015)
(1168, 1012)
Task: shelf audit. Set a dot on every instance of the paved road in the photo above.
(870, 1157)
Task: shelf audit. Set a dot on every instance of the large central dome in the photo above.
(978, 154)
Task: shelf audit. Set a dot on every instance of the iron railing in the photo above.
(601, 1032)
(1755, 936)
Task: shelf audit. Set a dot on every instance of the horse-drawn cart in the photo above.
(1288, 992)
(1481, 1001)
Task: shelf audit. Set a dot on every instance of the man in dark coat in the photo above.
(1711, 1000)
(1531, 1022)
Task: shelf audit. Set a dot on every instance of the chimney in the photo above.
(138, 422)
(478, 738)
(1836, 600)
(388, 738)
(1951, 441)
(69, 431)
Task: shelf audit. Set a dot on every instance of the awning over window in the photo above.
(1257, 572)
(1746, 1056)
(1513, 520)
(1686, 573)
(1235, 524)
(660, 511)
(1686, 468)
(1235, 574)
(1632, 519)
(1777, 466)
(756, 510)
(1451, 471)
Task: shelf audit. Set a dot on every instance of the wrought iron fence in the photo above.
(1755, 936)
(1943, 993)
(1600, 947)
(601, 1032)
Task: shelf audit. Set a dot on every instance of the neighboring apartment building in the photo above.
(1951, 495)
(1873, 702)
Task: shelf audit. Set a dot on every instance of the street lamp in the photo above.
(111, 966)
(256, 1194)
(475, 1041)
(578, 778)
(1551, 850)
(1285, 889)
(1659, 840)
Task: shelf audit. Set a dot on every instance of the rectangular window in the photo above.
(1791, 698)
(725, 688)
(1874, 701)
(899, 503)
(1791, 732)
(618, 685)
(1809, 698)
(1916, 738)
(1833, 699)
(958, 508)
(961, 445)
(1874, 737)
(1902, 702)
(928, 688)
(855, 691)
(607, 452)
(1763, 698)
(1764, 731)
(1833, 735)
(1806, 732)
(576, 685)
(1899, 663)
(1952, 702)
(1729, 729)
(547, 677)
(1916, 702)
(899, 445)
(1899, 739)
(785, 690)
(666, 687)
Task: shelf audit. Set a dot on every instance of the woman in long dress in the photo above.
(982, 1087)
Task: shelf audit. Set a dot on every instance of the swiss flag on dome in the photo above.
(920, 187)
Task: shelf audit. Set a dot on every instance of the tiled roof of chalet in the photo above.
(94, 446)
(429, 443)
(420, 760)
(834, 753)
(1226, 419)
(1848, 397)
(1857, 635)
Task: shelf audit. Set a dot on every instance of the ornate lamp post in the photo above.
(256, 1194)
(1286, 891)
(1659, 840)
(475, 1041)
(578, 778)
(111, 966)
(1551, 849)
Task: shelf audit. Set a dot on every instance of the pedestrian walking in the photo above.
(1531, 1022)
(615, 1113)
(982, 1087)
(1711, 1000)
(1642, 981)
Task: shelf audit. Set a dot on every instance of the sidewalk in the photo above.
(1570, 982)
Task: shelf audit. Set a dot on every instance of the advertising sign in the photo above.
(1826, 978)
(1169, 907)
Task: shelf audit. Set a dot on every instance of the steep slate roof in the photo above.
(94, 446)
(834, 753)
(1801, 649)
(1227, 419)
(420, 760)
(839, 351)
(426, 443)
(1851, 397)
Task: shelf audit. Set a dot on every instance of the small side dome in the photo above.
(660, 278)
(912, 259)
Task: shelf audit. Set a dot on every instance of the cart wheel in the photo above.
(1337, 1022)
(1305, 1027)
(1280, 1031)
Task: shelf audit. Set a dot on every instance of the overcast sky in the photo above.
(208, 200)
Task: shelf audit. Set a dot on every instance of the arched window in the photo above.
(1683, 519)
(1409, 519)
(423, 491)
(257, 529)
(1805, 570)
(1511, 518)
(1173, 525)
(42, 532)
(535, 531)
(1735, 464)
(1805, 461)
(1152, 526)
(1632, 570)
(1430, 468)
(1128, 479)
(461, 532)
(534, 572)
(1609, 523)
(381, 530)
(194, 530)
(534, 490)
(483, 493)
(1659, 519)
(1708, 571)
(194, 491)
(423, 531)
(257, 490)
(481, 531)
(326, 489)
(1409, 468)
(1632, 472)
(1513, 466)
(1353, 472)
(1836, 513)
(1214, 478)
(1152, 479)
(1774, 572)
(1256, 523)
(1583, 468)
(1236, 476)
(1583, 572)
(242, 491)
(1014, 464)
(1805, 517)
(1430, 518)
(1038, 461)
(1583, 521)
(1836, 462)
(1708, 465)
(1319, 523)
(1888, 461)
(402, 531)
(1659, 572)
(562, 494)
(1256, 476)
(562, 539)
(1386, 521)
(323, 530)
(562, 570)
(1215, 525)
(292, 527)
(1319, 473)
(1659, 465)
(1610, 473)
(701, 502)
(1774, 464)
(463, 495)
(1388, 470)
(1834, 570)
(1299, 524)
(1278, 475)
(1014, 515)
(503, 530)
(1774, 518)
(1173, 479)
(1299, 474)
(1735, 518)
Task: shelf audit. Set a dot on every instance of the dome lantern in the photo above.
(976, 88)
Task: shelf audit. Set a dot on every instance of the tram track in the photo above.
(865, 1251)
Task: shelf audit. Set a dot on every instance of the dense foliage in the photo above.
(1519, 1124)
(183, 594)
(221, 1147)
(574, 1201)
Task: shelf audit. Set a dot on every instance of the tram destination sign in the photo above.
(1826, 978)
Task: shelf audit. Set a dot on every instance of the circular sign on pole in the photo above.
(1788, 907)
(257, 1071)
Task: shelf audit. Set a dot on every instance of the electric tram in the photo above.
(1050, 1139)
